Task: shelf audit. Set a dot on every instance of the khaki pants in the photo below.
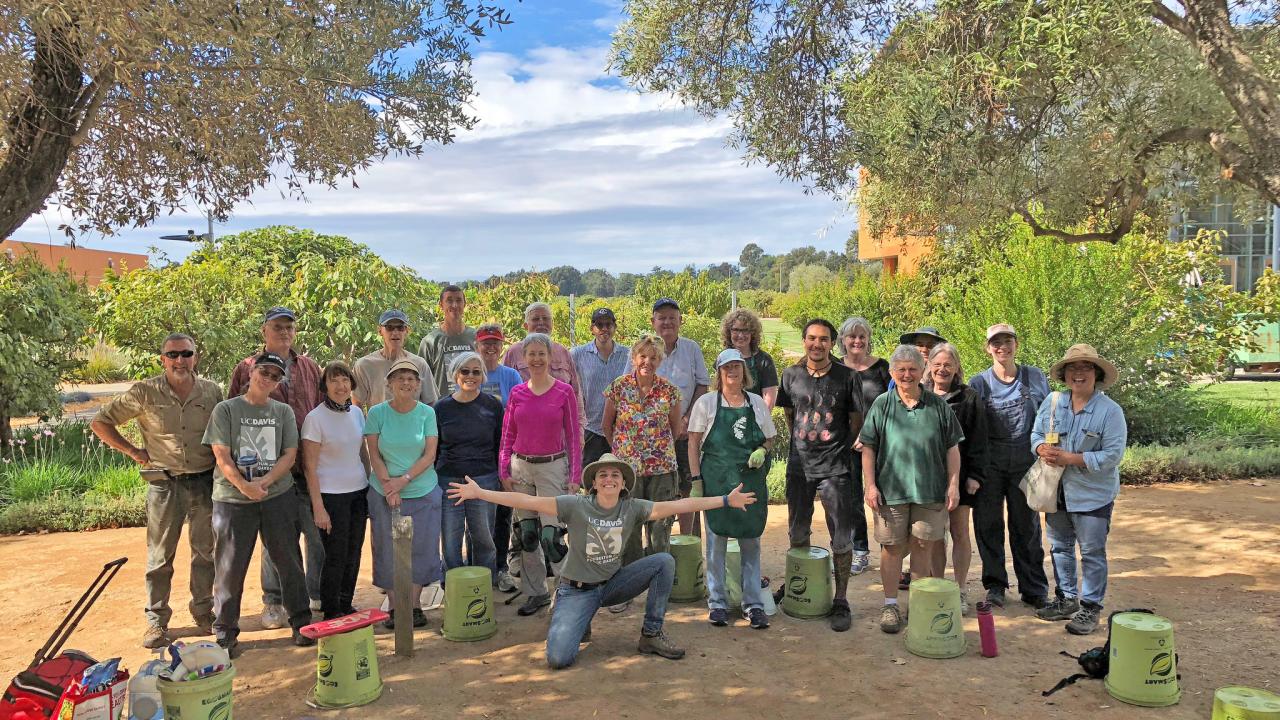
(542, 480)
(185, 500)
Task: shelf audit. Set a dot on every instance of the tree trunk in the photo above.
(6, 429)
(40, 130)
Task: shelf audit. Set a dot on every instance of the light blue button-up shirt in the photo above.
(1098, 432)
(595, 374)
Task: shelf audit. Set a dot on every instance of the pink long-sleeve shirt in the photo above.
(543, 424)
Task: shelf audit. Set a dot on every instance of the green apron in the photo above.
(734, 434)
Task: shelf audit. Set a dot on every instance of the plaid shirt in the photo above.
(300, 388)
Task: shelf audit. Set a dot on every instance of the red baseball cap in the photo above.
(483, 335)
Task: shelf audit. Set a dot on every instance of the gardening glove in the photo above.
(756, 459)
(696, 490)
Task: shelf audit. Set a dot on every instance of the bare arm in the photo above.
(953, 477)
(610, 417)
(469, 490)
(110, 435)
(870, 494)
(309, 464)
(737, 499)
(770, 395)
(695, 453)
(282, 467)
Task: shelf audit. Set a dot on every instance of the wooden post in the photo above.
(402, 546)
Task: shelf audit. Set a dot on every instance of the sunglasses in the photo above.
(468, 372)
(271, 376)
(175, 354)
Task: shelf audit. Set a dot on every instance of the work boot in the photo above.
(156, 636)
(660, 644)
(204, 624)
(995, 597)
(841, 616)
(1085, 620)
(533, 604)
(1035, 601)
(302, 640)
(1059, 609)
(890, 619)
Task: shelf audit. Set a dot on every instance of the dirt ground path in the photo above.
(1207, 556)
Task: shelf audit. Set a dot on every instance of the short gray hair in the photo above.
(848, 326)
(177, 337)
(907, 353)
(948, 348)
(536, 338)
(462, 359)
(536, 306)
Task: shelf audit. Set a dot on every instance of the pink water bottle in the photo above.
(987, 630)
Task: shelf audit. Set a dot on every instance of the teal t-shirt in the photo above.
(265, 431)
(911, 447)
(402, 438)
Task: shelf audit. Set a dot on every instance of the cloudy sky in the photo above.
(567, 166)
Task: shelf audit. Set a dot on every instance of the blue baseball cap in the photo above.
(392, 316)
(665, 302)
(727, 356)
(278, 312)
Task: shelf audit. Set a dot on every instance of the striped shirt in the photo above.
(595, 374)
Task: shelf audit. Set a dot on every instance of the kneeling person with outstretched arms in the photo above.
(598, 525)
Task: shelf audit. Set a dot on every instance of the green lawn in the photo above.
(1245, 393)
(788, 336)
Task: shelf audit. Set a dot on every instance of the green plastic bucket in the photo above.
(468, 604)
(208, 698)
(691, 582)
(346, 670)
(733, 573)
(935, 628)
(809, 590)
(1143, 667)
(1245, 703)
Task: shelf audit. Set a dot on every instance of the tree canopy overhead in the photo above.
(121, 110)
(1067, 112)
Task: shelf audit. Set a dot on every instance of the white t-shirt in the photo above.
(704, 412)
(338, 466)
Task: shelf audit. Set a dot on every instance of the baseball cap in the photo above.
(391, 316)
(1000, 329)
(665, 302)
(494, 334)
(271, 359)
(727, 356)
(278, 312)
(603, 314)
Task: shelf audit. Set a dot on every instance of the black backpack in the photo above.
(1095, 662)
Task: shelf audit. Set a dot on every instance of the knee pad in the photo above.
(553, 543)
(530, 529)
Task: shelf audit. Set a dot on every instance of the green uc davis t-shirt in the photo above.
(911, 447)
(402, 438)
(440, 349)
(596, 535)
(265, 430)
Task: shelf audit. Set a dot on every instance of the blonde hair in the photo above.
(649, 340)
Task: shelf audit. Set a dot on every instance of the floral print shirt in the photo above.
(641, 428)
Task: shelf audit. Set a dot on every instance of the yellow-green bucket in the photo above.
(208, 698)
(691, 581)
(935, 628)
(1245, 703)
(1143, 667)
(347, 670)
(468, 604)
(809, 590)
(733, 572)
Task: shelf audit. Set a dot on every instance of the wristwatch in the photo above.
(695, 478)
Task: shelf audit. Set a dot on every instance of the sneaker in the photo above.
(966, 609)
(1059, 609)
(506, 583)
(660, 644)
(890, 619)
(861, 561)
(620, 607)
(156, 636)
(1085, 620)
(274, 616)
(904, 582)
(995, 597)
(302, 640)
(232, 647)
(386, 604)
(718, 617)
(419, 618)
(432, 596)
(841, 616)
(759, 618)
(315, 606)
(533, 604)
(1035, 601)
(204, 624)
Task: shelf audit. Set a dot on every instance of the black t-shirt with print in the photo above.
(821, 439)
(873, 382)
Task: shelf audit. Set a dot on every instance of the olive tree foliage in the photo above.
(1068, 113)
(120, 111)
(42, 333)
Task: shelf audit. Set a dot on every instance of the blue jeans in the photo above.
(1089, 530)
(475, 518)
(314, 555)
(717, 590)
(575, 608)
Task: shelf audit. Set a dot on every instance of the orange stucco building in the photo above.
(82, 262)
(898, 253)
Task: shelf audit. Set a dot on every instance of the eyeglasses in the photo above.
(271, 376)
(468, 372)
(396, 328)
(740, 331)
(175, 354)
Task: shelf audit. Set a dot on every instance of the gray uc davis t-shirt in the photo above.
(596, 535)
(267, 430)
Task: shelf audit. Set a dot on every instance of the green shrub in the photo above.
(103, 364)
(64, 513)
(1199, 460)
(777, 482)
(762, 302)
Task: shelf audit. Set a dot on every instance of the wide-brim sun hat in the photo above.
(1084, 352)
(609, 460)
(909, 338)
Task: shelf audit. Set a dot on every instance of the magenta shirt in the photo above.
(542, 425)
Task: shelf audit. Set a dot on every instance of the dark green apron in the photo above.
(734, 434)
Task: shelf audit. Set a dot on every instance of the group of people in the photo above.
(544, 461)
